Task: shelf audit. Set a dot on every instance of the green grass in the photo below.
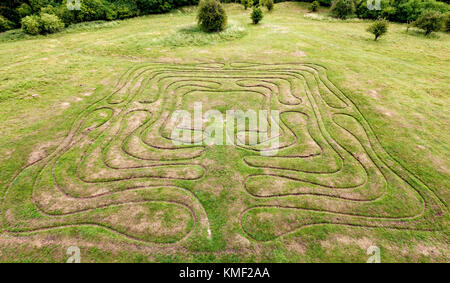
(399, 84)
(192, 35)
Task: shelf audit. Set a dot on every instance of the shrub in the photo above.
(447, 22)
(5, 24)
(256, 15)
(211, 15)
(325, 3)
(24, 10)
(247, 3)
(266, 3)
(68, 17)
(92, 10)
(378, 28)
(123, 10)
(409, 10)
(10, 15)
(36, 5)
(49, 9)
(31, 25)
(342, 8)
(362, 10)
(314, 6)
(154, 6)
(389, 13)
(50, 23)
(429, 21)
(434, 5)
(269, 4)
(42, 24)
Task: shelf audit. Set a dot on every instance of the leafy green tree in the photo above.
(31, 25)
(269, 5)
(247, 3)
(256, 15)
(429, 21)
(378, 28)
(447, 22)
(266, 3)
(5, 24)
(50, 23)
(211, 16)
(342, 8)
(24, 10)
(314, 6)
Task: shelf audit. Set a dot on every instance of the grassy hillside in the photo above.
(399, 84)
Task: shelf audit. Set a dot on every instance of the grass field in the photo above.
(86, 159)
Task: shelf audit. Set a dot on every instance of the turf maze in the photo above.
(118, 168)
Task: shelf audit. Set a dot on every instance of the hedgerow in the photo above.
(5, 24)
(91, 10)
(13, 11)
(403, 11)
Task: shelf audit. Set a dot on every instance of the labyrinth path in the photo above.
(118, 168)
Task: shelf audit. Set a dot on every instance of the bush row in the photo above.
(13, 11)
(404, 11)
(42, 24)
(393, 10)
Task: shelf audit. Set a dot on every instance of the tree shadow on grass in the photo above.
(420, 33)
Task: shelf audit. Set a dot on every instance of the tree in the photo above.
(269, 5)
(378, 28)
(314, 6)
(211, 16)
(31, 25)
(266, 3)
(247, 3)
(429, 21)
(447, 22)
(5, 24)
(256, 15)
(50, 23)
(342, 8)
